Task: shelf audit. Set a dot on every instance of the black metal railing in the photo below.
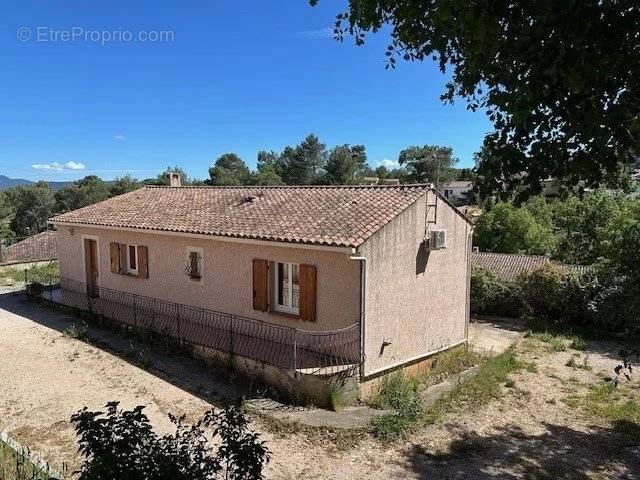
(303, 351)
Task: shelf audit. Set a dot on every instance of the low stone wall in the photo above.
(370, 386)
(300, 388)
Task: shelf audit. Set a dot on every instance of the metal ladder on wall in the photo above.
(427, 221)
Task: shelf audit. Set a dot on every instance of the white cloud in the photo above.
(320, 33)
(59, 167)
(120, 137)
(389, 164)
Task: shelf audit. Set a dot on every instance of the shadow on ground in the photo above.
(175, 367)
(559, 453)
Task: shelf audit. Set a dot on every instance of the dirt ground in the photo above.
(530, 432)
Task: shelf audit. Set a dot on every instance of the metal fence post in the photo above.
(295, 352)
(231, 334)
(178, 319)
(135, 310)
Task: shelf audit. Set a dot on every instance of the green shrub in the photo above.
(491, 295)
(554, 298)
(400, 394)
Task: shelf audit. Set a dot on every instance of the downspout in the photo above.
(363, 292)
(468, 286)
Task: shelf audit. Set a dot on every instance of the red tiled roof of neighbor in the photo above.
(510, 265)
(343, 216)
(42, 246)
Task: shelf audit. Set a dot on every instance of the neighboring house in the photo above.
(457, 190)
(509, 265)
(36, 248)
(312, 280)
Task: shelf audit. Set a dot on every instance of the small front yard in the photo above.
(539, 410)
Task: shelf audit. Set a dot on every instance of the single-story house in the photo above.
(40, 247)
(509, 265)
(302, 281)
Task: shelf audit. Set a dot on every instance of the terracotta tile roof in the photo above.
(337, 216)
(510, 265)
(42, 246)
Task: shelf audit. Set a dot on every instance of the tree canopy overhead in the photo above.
(558, 80)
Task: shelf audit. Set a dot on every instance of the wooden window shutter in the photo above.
(260, 284)
(114, 251)
(307, 301)
(143, 261)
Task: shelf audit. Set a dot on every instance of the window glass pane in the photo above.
(132, 257)
(295, 285)
(282, 283)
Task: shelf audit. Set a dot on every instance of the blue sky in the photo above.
(228, 77)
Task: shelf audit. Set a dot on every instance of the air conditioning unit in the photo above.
(437, 239)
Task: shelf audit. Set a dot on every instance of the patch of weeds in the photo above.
(339, 439)
(396, 390)
(606, 401)
(578, 343)
(335, 398)
(571, 401)
(451, 362)
(555, 342)
(573, 363)
(479, 389)
(585, 363)
(18, 466)
(78, 331)
(400, 394)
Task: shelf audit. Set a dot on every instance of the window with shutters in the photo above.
(132, 259)
(287, 287)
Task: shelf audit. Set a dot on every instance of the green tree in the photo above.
(229, 169)
(87, 191)
(123, 185)
(558, 80)
(266, 175)
(586, 225)
(344, 163)
(429, 163)
(33, 205)
(510, 229)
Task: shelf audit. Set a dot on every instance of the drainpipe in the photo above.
(363, 292)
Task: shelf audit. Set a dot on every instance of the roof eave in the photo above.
(345, 249)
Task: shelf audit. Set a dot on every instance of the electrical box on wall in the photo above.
(437, 239)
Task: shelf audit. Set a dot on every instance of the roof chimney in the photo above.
(174, 179)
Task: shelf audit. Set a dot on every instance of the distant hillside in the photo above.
(6, 182)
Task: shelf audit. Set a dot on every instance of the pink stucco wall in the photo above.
(226, 285)
(417, 312)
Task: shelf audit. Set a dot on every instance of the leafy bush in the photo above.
(555, 298)
(401, 394)
(122, 444)
(491, 295)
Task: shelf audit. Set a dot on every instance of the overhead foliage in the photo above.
(559, 80)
